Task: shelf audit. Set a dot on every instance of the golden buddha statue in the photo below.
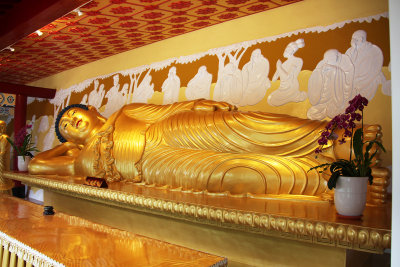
(199, 145)
(5, 184)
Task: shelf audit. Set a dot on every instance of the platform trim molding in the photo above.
(28, 254)
(318, 232)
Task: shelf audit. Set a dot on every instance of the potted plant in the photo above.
(24, 147)
(349, 177)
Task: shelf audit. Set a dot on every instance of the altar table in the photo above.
(29, 238)
(249, 231)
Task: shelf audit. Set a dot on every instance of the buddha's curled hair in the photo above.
(60, 114)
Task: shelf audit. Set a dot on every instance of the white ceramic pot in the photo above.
(23, 164)
(351, 195)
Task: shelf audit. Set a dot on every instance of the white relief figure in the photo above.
(32, 123)
(367, 59)
(387, 84)
(134, 84)
(84, 100)
(229, 87)
(116, 98)
(144, 91)
(199, 85)
(255, 79)
(96, 96)
(44, 127)
(288, 72)
(330, 86)
(171, 87)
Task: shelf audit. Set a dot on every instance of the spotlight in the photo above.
(78, 11)
(38, 32)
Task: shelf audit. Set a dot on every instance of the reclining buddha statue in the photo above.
(198, 145)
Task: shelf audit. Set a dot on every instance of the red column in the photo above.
(19, 119)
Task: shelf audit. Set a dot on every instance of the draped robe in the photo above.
(217, 151)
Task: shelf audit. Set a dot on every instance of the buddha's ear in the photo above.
(99, 116)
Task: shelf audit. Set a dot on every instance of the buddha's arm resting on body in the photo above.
(58, 160)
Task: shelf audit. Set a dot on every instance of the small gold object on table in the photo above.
(96, 182)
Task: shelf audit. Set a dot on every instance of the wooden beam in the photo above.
(28, 16)
(26, 90)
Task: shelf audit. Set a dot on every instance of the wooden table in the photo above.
(63, 240)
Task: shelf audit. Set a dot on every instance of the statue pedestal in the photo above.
(247, 231)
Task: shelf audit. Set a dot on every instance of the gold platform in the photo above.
(251, 231)
(27, 237)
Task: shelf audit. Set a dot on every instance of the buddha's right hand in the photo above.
(211, 105)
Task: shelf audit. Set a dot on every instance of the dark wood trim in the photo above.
(28, 16)
(19, 89)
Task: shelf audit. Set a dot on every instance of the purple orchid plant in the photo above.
(23, 142)
(360, 164)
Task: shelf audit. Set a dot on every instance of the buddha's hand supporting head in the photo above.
(78, 123)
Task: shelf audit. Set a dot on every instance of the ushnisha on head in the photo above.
(77, 123)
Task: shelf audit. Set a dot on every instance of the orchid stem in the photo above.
(351, 142)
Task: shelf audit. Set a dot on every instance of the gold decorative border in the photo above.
(324, 233)
(19, 254)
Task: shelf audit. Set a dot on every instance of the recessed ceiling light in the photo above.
(78, 11)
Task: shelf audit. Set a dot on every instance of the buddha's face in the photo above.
(77, 125)
(358, 38)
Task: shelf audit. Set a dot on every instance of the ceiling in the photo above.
(102, 29)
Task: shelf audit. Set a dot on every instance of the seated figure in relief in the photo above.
(199, 85)
(368, 61)
(199, 145)
(330, 86)
(288, 73)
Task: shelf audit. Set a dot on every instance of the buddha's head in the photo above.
(77, 123)
(332, 57)
(255, 54)
(292, 48)
(359, 37)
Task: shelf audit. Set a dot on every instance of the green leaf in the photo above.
(17, 149)
(332, 180)
(369, 174)
(358, 144)
(378, 143)
(326, 165)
